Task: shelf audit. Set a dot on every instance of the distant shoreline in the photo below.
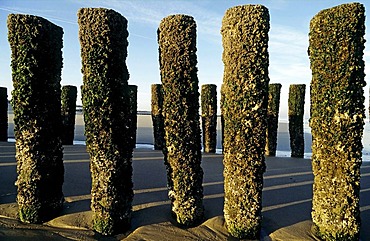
(145, 133)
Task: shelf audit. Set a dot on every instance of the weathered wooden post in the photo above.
(106, 102)
(272, 119)
(69, 97)
(336, 48)
(295, 115)
(157, 116)
(177, 58)
(36, 46)
(209, 117)
(244, 109)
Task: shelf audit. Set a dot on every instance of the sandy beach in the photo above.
(287, 197)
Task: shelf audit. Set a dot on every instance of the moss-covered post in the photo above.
(272, 119)
(209, 117)
(336, 48)
(295, 115)
(157, 116)
(3, 114)
(69, 98)
(177, 58)
(132, 89)
(244, 108)
(105, 98)
(36, 46)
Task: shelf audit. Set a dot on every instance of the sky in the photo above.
(288, 39)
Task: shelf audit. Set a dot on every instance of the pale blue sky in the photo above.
(289, 63)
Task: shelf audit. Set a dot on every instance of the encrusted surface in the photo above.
(244, 108)
(295, 114)
(36, 46)
(69, 97)
(105, 98)
(337, 113)
(177, 58)
(272, 119)
(209, 117)
(157, 116)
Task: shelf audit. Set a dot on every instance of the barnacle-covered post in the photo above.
(36, 46)
(209, 117)
(244, 109)
(3, 114)
(272, 119)
(132, 128)
(106, 102)
(157, 116)
(295, 115)
(336, 48)
(69, 97)
(177, 58)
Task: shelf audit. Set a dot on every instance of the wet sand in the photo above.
(287, 198)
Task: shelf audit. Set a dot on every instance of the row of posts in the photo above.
(68, 111)
(296, 102)
(337, 113)
(209, 116)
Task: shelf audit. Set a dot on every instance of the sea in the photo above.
(144, 137)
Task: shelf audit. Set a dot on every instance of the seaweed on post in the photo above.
(295, 115)
(244, 98)
(157, 116)
(68, 98)
(37, 115)
(177, 58)
(336, 49)
(209, 117)
(106, 102)
(272, 119)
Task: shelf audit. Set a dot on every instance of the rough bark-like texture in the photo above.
(36, 46)
(209, 117)
(3, 114)
(244, 108)
(106, 102)
(337, 112)
(295, 114)
(157, 116)
(133, 114)
(272, 119)
(69, 98)
(177, 58)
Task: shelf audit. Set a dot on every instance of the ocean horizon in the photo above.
(145, 139)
